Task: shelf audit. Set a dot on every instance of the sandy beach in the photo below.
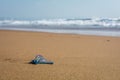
(76, 57)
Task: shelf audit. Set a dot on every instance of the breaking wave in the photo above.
(103, 22)
(87, 26)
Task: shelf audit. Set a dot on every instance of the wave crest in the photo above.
(105, 22)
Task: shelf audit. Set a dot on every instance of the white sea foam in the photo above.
(108, 22)
(88, 26)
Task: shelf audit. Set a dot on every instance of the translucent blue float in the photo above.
(39, 59)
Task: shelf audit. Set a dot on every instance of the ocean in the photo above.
(86, 26)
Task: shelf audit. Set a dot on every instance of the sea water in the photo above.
(86, 26)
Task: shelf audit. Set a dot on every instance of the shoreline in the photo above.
(59, 33)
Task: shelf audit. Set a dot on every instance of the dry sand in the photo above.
(75, 57)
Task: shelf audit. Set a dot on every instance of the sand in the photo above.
(76, 57)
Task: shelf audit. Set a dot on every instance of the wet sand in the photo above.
(76, 57)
